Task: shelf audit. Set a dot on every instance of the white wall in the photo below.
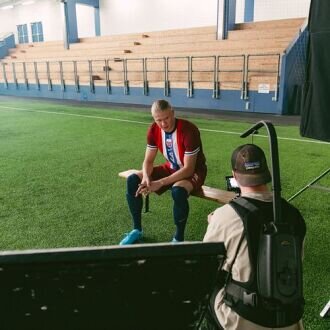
(46, 11)
(280, 9)
(85, 21)
(6, 21)
(240, 11)
(50, 14)
(129, 16)
(274, 9)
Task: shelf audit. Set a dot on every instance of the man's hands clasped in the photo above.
(146, 187)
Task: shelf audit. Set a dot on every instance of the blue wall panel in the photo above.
(70, 14)
(249, 11)
(264, 103)
(201, 99)
(5, 44)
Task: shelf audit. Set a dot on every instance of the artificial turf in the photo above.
(59, 166)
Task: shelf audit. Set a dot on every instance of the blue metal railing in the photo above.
(190, 70)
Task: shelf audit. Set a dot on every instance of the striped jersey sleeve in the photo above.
(152, 135)
(191, 138)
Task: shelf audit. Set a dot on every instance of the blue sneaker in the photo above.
(174, 240)
(132, 237)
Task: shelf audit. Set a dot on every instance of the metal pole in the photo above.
(91, 81)
(76, 77)
(25, 76)
(167, 85)
(14, 75)
(275, 98)
(50, 86)
(4, 75)
(190, 83)
(107, 76)
(216, 77)
(244, 86)
(126, 83)
(217, 31)
(62, 77)
(246, 77)
(36, 75)
(145, 78)
(309, 184)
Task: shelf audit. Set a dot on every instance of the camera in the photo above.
(232, 184)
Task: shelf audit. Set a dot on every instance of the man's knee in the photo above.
(179, 193)
(133, 182)
(185, 184)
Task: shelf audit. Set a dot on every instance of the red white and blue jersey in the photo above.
(183, 141)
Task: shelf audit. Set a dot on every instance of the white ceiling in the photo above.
(7, 2)
(12, 2)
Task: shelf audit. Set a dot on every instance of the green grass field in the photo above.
(59, 180)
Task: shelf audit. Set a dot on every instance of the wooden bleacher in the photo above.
(271, 37)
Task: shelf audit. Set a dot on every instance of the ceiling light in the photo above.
(24, 3)
(7, 7)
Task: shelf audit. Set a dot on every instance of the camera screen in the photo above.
(233, 182)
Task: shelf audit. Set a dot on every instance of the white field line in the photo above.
(144, 123)
(74, 115)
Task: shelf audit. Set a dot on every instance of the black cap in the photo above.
(250, 166)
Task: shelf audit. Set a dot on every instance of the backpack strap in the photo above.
(245, 204)
(236, 293)
(242, 207)
(233, 291)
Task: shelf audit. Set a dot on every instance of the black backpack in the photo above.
(273, 296)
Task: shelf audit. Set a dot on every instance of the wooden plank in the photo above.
(215, 194)
(126, 174)
(153, 34)
(209, 193)
(275, 24)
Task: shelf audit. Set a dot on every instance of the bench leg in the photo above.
(146, 204)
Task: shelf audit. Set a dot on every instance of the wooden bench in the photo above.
(209, 193)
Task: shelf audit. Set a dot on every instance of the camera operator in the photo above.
(251, 172)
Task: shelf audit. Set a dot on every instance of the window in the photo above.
(22, 34)
(37, 33)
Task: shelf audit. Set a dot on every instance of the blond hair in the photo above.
(160, 105)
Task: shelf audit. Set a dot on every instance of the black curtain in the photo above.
(315, 119)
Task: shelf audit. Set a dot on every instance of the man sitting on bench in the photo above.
(184, 171)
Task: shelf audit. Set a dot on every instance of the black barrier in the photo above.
(315, 112)
(154, 286)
